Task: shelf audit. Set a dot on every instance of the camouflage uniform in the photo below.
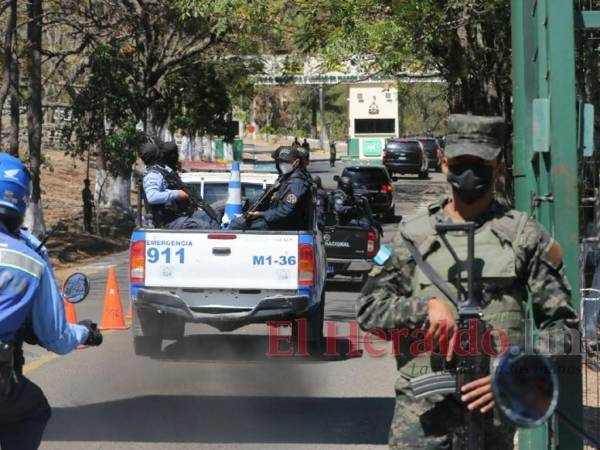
(513, 254)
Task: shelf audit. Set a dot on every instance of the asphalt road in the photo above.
(220, 390)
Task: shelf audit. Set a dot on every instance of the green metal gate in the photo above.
(546, 146)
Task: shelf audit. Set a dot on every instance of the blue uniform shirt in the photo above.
(155, 188)
(289, 206)
(28, 289)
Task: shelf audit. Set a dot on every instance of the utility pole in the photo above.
(324, 141)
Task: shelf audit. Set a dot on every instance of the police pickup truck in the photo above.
(226, 279)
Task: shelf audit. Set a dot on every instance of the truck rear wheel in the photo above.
(314, 325)
(147, 339)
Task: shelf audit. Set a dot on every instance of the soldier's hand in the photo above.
(478, 394)
(442, 325)
(254, 214)
(182, 195)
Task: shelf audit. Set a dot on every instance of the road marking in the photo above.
(39, 362)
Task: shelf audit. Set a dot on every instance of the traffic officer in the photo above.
(31, 307)
(169, 203)
(289, 206)
(514, 253)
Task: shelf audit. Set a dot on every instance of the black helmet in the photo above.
(169, 154)
(150, 154)
(287, 154)
(345, 184)
(318, 182)
(304, 154)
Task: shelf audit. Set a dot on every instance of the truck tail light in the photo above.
(137, 262)
(386, 188)
(421, 155)
(384, 154)
(371, 244)
(306, 265)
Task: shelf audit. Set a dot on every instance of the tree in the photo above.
(34, 219)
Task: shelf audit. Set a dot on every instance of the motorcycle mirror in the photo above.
(525, 388)
(76, 287)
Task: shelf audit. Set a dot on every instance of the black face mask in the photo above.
(470, 182)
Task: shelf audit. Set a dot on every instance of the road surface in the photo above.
(220, 390)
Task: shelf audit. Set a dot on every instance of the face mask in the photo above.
(285, 168)
(470, 182)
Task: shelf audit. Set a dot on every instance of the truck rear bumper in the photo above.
(270, 308)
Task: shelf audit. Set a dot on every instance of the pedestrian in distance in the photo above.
(88, 206)
(296, 143)
(306, 146)
(31, 310)
(332, 154)
(515, 256)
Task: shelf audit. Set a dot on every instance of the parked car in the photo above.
(434, 153)
(405, 156)
(374, 183)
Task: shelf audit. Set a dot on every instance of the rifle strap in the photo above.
(429, 271)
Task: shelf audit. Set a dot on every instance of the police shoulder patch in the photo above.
(291, 199)
(553, 254)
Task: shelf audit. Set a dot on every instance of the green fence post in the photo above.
(219, 150)
(565, 183)
(238, 150)
(353, 148)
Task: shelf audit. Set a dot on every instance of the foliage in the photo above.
(106, 110)
(422, 107)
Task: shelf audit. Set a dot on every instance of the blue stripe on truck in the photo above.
(138, 236)
(306, 239)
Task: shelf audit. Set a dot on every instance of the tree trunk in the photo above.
(15, 105)
(35, 216)
(10, 33)
(119, 194)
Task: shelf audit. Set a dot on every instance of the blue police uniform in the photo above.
(29, 294)
(347, 210)
(158, 194)
(290, 205)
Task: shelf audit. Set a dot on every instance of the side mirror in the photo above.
(336, 178)
(525, 388)
(76, 287)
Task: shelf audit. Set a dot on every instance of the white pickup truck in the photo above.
(226, 279)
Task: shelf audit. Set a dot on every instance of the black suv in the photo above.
(374, 183)
(433, 151)
(405, 156)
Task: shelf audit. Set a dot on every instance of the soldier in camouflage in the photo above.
(514, 255)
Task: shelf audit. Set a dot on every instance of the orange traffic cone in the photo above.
(112, 316)
(71, 316)
(70, 313)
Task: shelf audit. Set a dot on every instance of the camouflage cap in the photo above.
(479, 136)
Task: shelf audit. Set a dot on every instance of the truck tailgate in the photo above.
(345, 242)
(221, 260)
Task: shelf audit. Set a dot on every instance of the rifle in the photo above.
(194, 201)
(366, 206)
(475, 364)
(265, 199)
